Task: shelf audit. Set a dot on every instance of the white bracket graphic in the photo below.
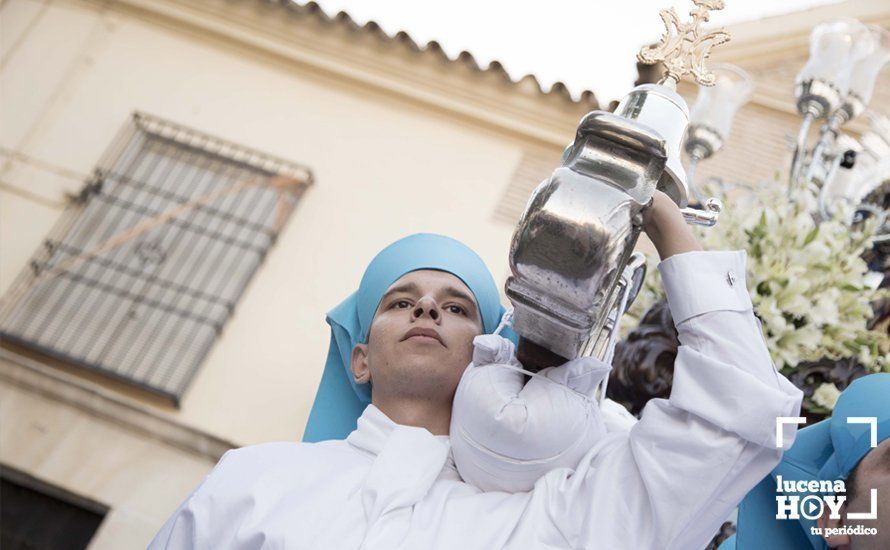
(873, 420)
(781, 421)
(873, 514)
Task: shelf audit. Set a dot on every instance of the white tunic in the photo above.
(669, 482)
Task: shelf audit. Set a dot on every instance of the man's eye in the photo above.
(401, 304)
(457, 309)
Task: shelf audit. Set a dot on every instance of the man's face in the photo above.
(872, 472)
(421, 337)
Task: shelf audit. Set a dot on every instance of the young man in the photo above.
(667, 483)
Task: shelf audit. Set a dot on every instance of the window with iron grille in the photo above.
(147, 263)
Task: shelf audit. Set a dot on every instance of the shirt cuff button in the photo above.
(730, 278)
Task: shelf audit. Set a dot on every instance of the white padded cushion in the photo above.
(505, 433)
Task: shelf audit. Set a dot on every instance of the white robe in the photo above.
(669, 482)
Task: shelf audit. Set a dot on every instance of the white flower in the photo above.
(818, 250)
(825, 308)
(826, 395)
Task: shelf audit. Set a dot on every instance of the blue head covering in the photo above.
(340, 401)
(828, 450)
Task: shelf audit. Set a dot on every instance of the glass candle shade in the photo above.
(832, 46)
(864, 71)
(715, 107)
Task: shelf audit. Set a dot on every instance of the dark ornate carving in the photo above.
(643, 366)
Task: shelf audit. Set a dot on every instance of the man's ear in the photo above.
(825, 522)
(358, 364)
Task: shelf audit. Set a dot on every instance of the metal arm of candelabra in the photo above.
(836, 85)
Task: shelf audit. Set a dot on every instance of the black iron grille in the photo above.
(147, 263)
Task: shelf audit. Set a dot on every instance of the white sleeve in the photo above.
(678, 473)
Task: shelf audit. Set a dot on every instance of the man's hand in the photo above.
(667, 229)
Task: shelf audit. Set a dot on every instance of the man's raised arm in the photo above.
(680, 471)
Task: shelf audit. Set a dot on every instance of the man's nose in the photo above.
(427, 305)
